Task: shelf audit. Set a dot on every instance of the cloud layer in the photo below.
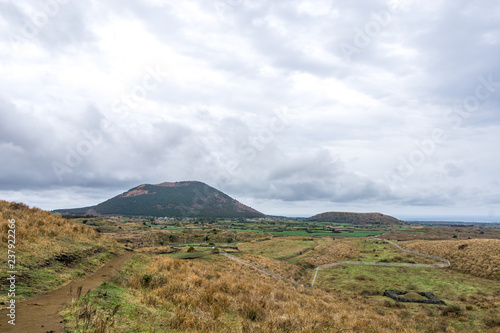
(293, 108)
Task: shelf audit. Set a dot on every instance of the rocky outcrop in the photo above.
(398, 295)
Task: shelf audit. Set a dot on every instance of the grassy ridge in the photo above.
(480, 257)
(283, 268)
(328, 251)
(279, 248)
(210, 293)
(49, 250)
(218, 295)
(356, 218)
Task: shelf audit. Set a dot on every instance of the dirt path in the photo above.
(40, 314)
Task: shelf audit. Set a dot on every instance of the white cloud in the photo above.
(226, 71)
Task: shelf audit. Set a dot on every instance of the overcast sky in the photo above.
(291, 107)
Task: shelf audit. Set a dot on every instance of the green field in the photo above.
(353, 233)
(472, 300)
(445, 283)
(278, 248)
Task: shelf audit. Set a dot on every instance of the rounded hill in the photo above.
(355, 218)
(171, 199)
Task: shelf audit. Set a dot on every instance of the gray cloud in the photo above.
(255, 98)
(52, 24)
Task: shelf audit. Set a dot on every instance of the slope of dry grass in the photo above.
(215, 294)
(418, 232)
(40, 235)
(219, 295)
(283, 268)
(480, 257)
(329, 251)
(279, 247)
(48, 247)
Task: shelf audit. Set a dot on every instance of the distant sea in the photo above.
(450, 218)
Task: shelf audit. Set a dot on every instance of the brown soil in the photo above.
(40, 314)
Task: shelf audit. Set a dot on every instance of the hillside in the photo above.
(480, 257)
(180, 199)
(355, 218)
(49, 250)
(219, 295)
(199, 289)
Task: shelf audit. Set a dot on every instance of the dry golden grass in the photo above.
(331, 251)
(156, 249)
(216, 294)
(33, 224)
(164, 294)
(279, 247)
(480, 257)
(282, 268)
(442, 233)
(224, 296)
(49, 250)
(40, 235)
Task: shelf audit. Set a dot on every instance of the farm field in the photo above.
(136, 232)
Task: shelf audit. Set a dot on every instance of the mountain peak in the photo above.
(171, 199)
(176, 184)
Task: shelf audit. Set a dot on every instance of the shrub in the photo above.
(393, 304)
(369, 292)
(492, 322)
(451, 310)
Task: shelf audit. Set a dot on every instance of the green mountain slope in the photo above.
(356, 218)
(180, 199)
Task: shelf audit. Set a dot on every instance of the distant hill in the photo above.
(180, 199)
(355, 218)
